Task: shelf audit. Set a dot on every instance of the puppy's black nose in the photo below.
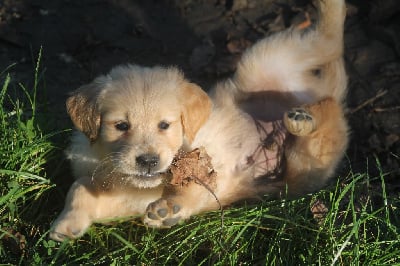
(148, 160)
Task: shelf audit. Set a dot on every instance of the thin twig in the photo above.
(215, 196)
(388, 109)
(369, 101)
(220, 207)
(254, 26)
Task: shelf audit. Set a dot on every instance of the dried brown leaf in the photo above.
(194, 166)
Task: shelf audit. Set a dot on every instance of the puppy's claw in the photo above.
(162, 214)
(299, 122)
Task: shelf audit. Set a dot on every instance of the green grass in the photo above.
(361, 225)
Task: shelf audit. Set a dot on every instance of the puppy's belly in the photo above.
(239, 144)
(267, 156)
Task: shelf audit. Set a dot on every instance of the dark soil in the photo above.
(83, 39)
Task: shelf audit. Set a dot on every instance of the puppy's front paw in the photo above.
(162, 213)
(70, 226)
(299, 122)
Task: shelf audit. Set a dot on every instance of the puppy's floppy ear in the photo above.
(196, 109)
(82, 108)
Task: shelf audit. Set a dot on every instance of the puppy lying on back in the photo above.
(287, 95)
(296, 76)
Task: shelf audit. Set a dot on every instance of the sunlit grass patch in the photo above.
(359, 225)
(25, 150)
(354, 222)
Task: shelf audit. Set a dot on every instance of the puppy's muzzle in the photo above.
(148, 162)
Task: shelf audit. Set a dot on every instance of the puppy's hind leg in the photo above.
(331, 18)
(324, 52)
(320, 140)
(326, 41)
(321, 51)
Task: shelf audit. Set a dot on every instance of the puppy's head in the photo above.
(137, 119)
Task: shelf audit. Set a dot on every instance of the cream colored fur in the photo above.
(106, 161)
(295, 76)
(275, 77)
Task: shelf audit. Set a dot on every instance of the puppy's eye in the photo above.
(163, 125)
(122, 126)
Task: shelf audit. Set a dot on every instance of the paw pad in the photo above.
(299, 122)
(299, 115)
(171, 221)
(162, 213)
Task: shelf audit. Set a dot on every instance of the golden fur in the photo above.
(275, 76)
(123, 146)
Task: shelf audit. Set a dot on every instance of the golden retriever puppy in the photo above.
(244, 136)
(133, 121)
(130, 123)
